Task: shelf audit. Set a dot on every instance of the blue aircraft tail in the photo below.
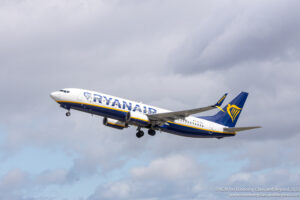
(229, 115)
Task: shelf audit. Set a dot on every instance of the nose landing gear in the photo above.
(68, 113)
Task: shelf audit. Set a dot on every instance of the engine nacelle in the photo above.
(138, 119)
(114, 123)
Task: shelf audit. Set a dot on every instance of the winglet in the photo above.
(219, 103)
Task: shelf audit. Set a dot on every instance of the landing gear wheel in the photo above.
(151, 132)
(140, 134)
(68, 113)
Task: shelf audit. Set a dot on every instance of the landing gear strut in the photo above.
(151, 132)
(68, 113)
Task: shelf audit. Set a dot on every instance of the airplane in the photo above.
(121, 113)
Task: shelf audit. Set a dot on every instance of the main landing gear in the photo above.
(68, 113)
(140, 133)
(151, 132)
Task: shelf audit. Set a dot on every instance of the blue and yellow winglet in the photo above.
(219, 103)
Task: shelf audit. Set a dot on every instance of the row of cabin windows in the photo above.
(192, 123)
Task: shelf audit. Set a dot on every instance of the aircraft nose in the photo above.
(54, 95)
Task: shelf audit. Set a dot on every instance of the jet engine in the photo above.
(114, 123)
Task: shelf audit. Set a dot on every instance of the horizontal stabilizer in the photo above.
(240, 128)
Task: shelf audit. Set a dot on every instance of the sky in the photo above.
(173, 54)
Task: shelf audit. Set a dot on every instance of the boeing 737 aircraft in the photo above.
(121, 113)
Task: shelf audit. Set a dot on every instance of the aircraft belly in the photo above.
(190, 132)
(184, 131)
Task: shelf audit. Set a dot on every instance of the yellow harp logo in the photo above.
(233, 111)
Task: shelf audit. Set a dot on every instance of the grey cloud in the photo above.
(198, 185)
(15, 183)
(12, 183)
(264, 155)
(49, 177)
(178, 176)
(270, 178)
(170, 168)
(247, 32)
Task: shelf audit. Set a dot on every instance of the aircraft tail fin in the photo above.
(229, 115)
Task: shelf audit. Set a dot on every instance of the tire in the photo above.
(151, 132)
(139, 134)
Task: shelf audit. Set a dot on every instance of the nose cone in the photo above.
(54, 95)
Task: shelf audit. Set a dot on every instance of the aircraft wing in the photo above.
(171, 116)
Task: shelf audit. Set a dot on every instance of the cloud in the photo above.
(15, 183)
(266, 155)
(12, 179)
(272, 178)
(170, 168)
(244, 177)
(240, 33)
(172, 177)
(56, 176)
(11, 184)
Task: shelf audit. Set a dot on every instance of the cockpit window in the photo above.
(65, 91)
